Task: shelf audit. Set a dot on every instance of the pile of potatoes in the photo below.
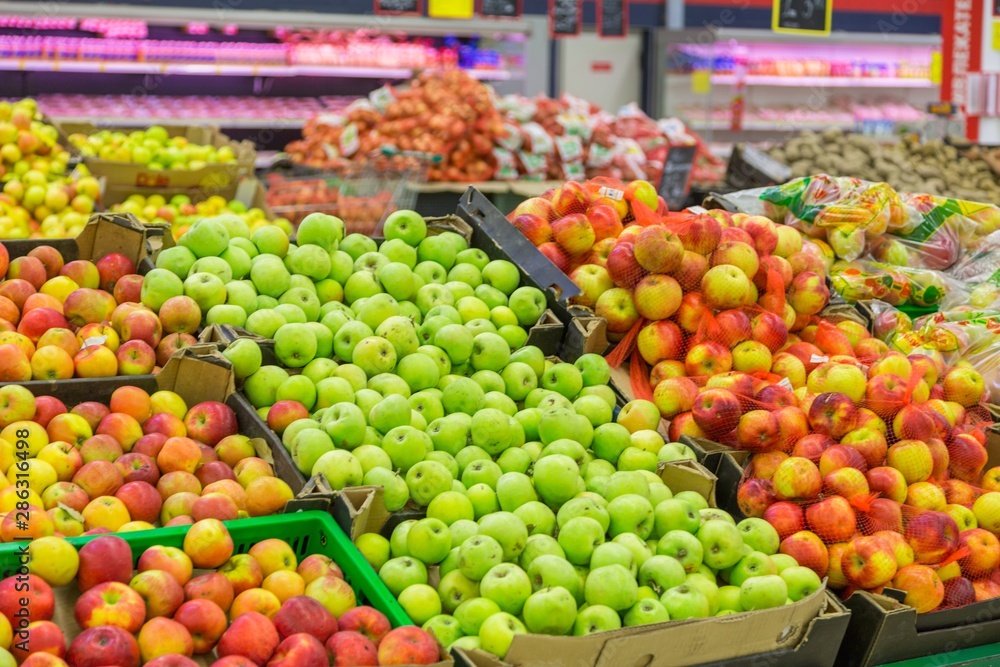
(932, 167)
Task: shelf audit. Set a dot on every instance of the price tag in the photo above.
(500, 8)
(937, 67)
(450, 9)
(675, 182)
(701, 82)
(398, 7)
(809, 17)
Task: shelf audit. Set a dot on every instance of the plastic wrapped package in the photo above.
(895, 285)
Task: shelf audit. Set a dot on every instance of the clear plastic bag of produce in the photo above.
(895, 285)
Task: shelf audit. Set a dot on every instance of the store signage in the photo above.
(612, 18)
(809, 17)
(500, 8)
(399, 7)
(565, 18)
(962, 35)
(675, 182)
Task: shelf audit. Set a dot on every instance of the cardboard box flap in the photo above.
(449, 223)
(199, 373)
(688, 475)
(365, 509)
(671, 644)
(108, 233)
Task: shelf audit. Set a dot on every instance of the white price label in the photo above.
(611, 193)
(817, 359)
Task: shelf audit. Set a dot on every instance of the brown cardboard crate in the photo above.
(786, 633)
(211, 176)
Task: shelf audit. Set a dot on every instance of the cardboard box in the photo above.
(104, 233)
(737, 639)
(212, 176)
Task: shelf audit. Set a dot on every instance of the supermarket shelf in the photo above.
(823, 81)
(235, 123)
(769, 126)
(266, 19)
(211, 69)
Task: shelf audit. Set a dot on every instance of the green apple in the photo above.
(270, 240)
(605, 392)
(261, 387)
(528, 303)
(596, 618)
(507, 529)
(407, 226)
(556, 478)
(427, 403)
(754, 564)
(473, 256)
(341, 266)
(722, 544)
(335, 319)
(495, 300)
(594, 368)
(463, 395)
(372, 456)
(532, 356)
(395, 491)
(426, 480)
(675, 451)
(356, 245)
(243, 294)
(515, 459)
(215, 265)
(205, 238)
(538, 518)
(374, 548)
(265, 302)
(374, 355)
(489, 352)
(550, 611)
(596, 410)
(437, 249)
(354, 375)
(491, 429)
(370, 261)
(683, 546)
(420, 602)
(471, 614)
(345, 424)
(396, 279)
(455, 588)
(177, 260)
(265, 323)
(513, 335)
(497, 632)
(611, 553)
(801, 582)
(685, 601)
(612, 586)
(348, 337)
(321, 368)
(610, 440)
(661, 573)
(308, 446)
(244, 244)
(471, 308)
(562, 378)
(507, 585)
(401, 572)
(646, 612)
(329, 291)
(429, 328)
(158, 286)
(361, 285)
(675, 514)
(693, 498)
(449, 507)
(640, 549)
(206, 289)
(297, 388)
(478, 555)
(406, 446)
(320, 229)
(390, 412)
(467, 274)
(245, 356)
(501, 316)
(502, 275)
(513, 490)
(340, 468)
(763, 592)
(481, 471)
(483, 499)
(468, 454)
(428, 540)
(539, 545)
(459, 291)
(419, 371)
(401, 333)
(295, 345)
(444, 628)
(583, 507)
(759, 535)
(292, 313)
(578, 537)
(463, 529)
(399, 251)
(431, 273)
(624, 482)
(237, 260)
(630, 513)
(270, 276)
(729, 599)
(433, 295)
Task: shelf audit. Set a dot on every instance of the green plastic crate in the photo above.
(307, 533)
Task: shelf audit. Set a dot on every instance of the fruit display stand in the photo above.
(210, 176)
(307, 533)
(802, 633)
(882, 629)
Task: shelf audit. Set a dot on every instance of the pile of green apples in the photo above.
(152, 147)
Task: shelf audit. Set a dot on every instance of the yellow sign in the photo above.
(802, 17)
(937, 66)
(996, 35)
(451, 9)
(701, 82)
